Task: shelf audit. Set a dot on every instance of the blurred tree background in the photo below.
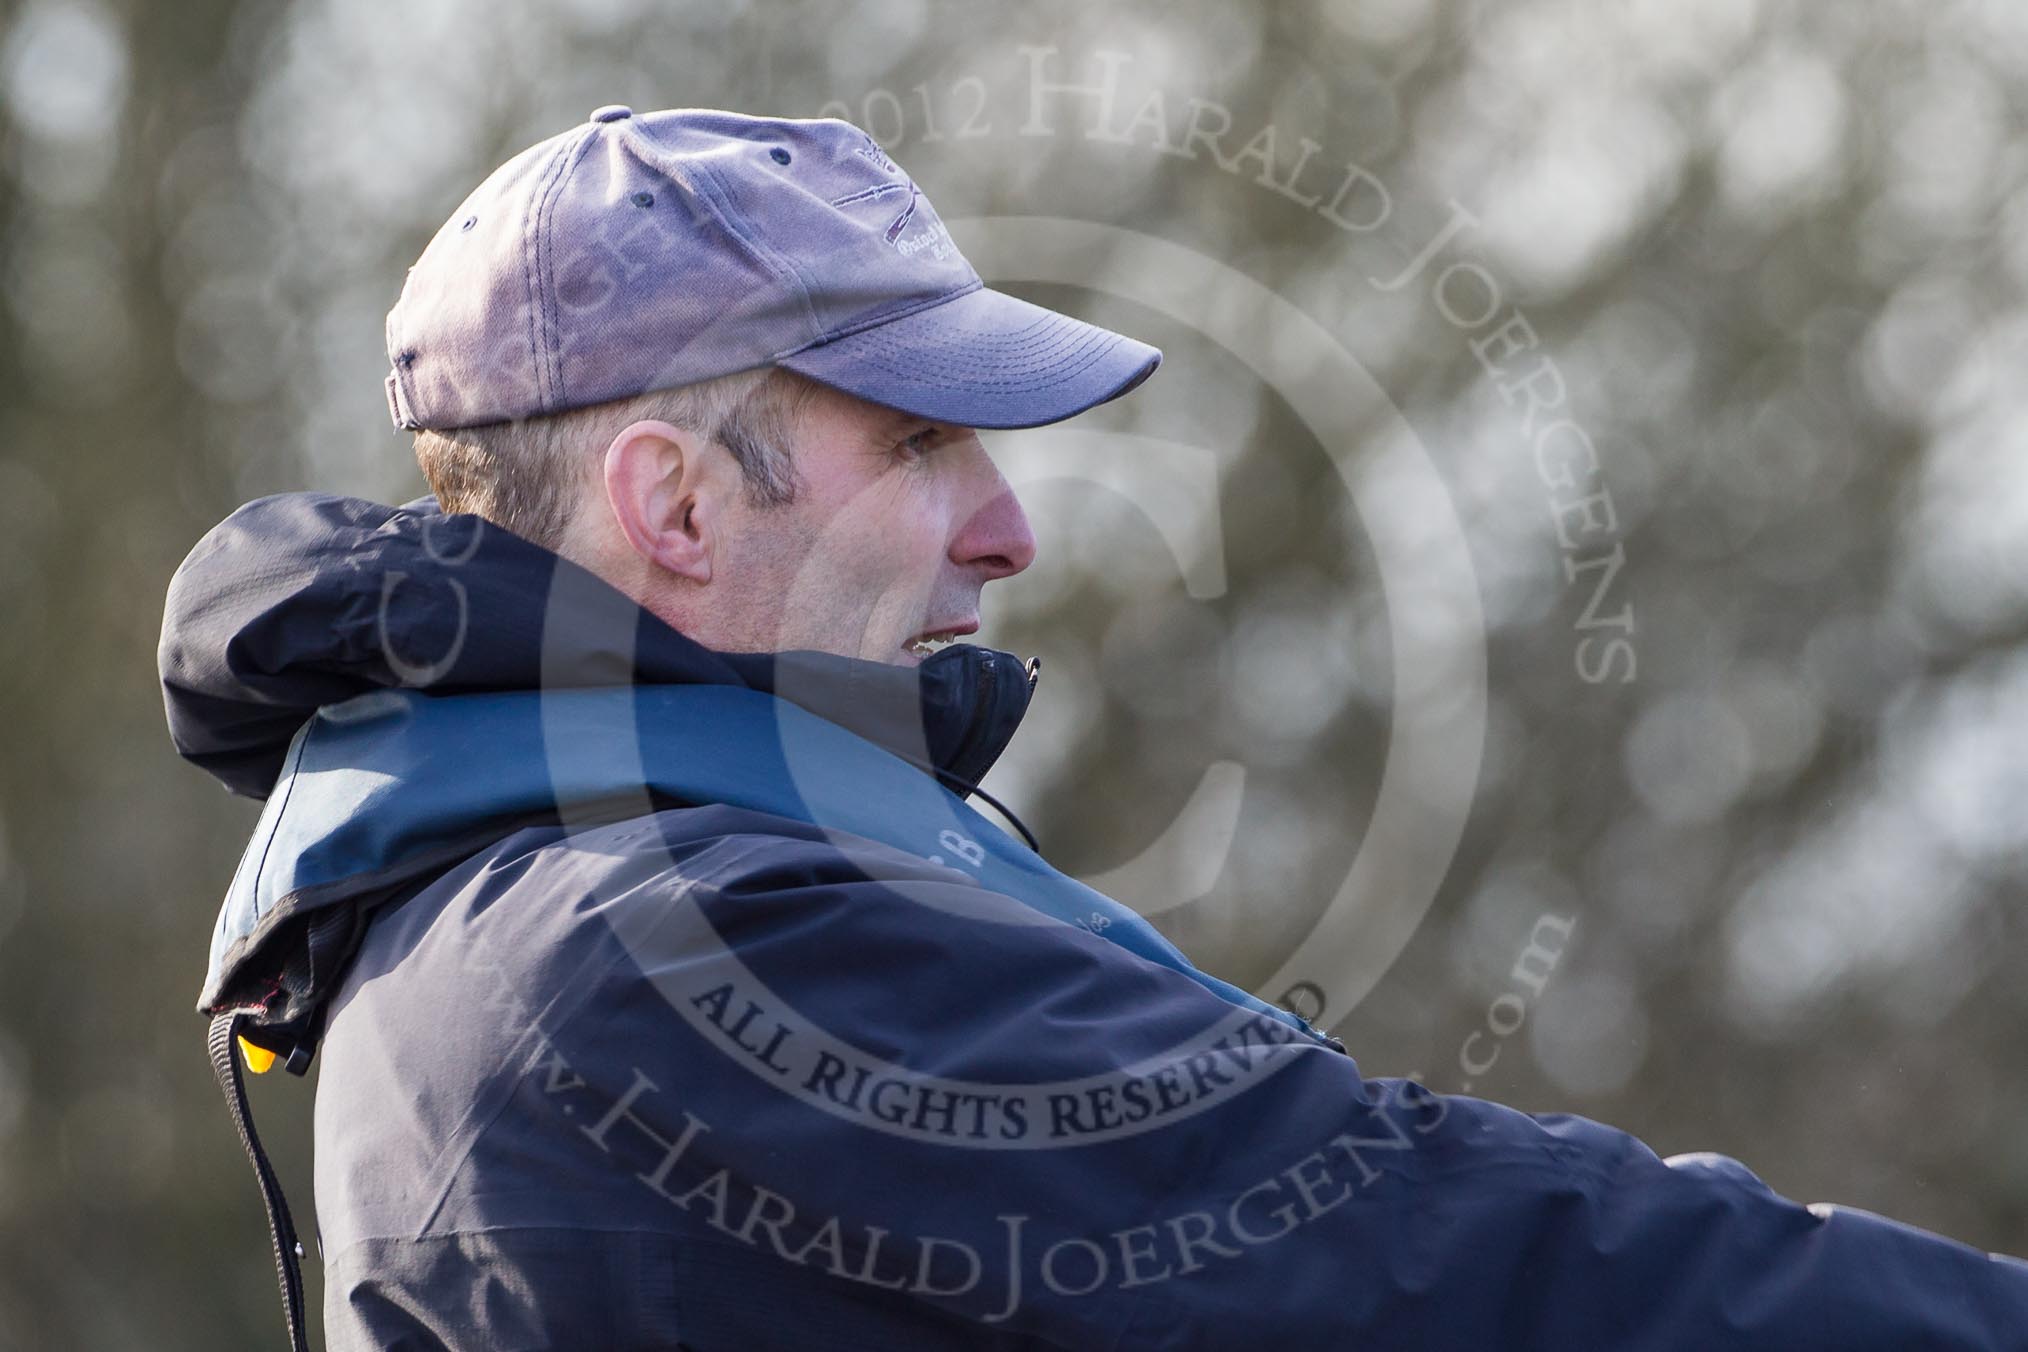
(1775, 252)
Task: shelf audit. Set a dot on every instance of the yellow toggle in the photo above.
(259, 1060)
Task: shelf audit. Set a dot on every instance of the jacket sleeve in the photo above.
(1038, 1134)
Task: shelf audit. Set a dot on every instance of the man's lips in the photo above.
(938, 636)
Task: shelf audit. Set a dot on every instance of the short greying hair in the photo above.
(530, 476)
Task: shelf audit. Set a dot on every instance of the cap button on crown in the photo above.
(612, 112)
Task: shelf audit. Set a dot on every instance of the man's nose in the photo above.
(996, 538)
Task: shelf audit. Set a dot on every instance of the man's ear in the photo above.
(663, 496)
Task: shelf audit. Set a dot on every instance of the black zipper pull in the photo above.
(1034, 669)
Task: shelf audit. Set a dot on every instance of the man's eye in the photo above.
(917, 444)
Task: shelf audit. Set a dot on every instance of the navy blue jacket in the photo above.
(680, 1004)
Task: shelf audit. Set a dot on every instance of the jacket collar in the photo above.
(395, 785)
(302, 600)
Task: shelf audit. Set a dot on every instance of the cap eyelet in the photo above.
(644, 199)
(468, 223)
(780, 155)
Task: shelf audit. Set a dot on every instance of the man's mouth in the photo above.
(933, 641)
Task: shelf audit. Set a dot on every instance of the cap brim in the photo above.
(982, 359)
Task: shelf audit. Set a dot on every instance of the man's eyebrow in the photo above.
(900, 424)
(900, 420)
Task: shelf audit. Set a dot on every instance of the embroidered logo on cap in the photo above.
(936, 241)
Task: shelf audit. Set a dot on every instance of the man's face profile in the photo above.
(896, 524)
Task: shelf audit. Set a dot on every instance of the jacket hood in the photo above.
(301, 600)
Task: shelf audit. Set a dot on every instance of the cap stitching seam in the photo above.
(704, 185)
(884, 317)
(783, 265)
(1002, 341)
(1059, 376)
(548, 353)
(1043, 349)
(531, 244)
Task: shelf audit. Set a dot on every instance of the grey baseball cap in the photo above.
(645, 251)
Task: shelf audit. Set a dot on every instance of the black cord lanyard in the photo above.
(281, 1229)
